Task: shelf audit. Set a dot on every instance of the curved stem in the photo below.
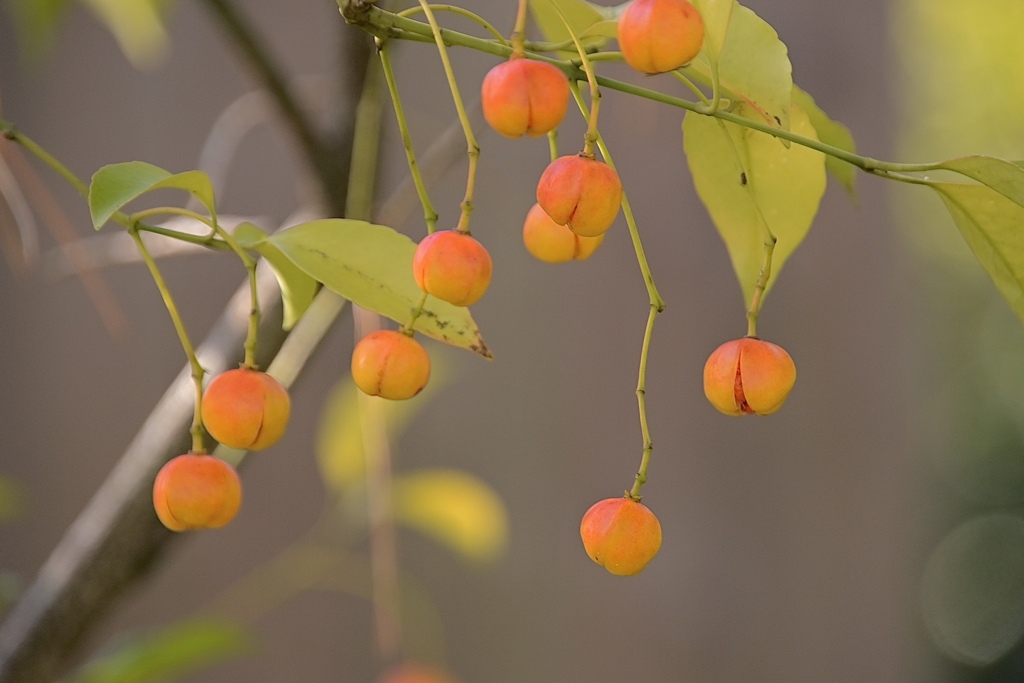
(519, 31)
(179, 326)
(429, 213)
(657, 305)
(171, 210)
(592, 134)
(455, 9)
(472, 148)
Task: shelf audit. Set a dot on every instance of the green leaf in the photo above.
(371, 266)
(115, 185)
(831, 133)
(754, 69)
(1003, 176)
(991, 225)
(339, 444)
(580, 15)
(138, 27)
(455, 508)
(174, 651)
(784, 186)
(297, 288)
(716, 15)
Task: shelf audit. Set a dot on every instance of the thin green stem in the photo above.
(472, 148)
(553, 143)
(171, 210)
(462, 11)
(179, 326)
(641, 399)
(416, 313)
(592, 134)
(381, 22)
(202, 240)
(711, 105)
(429, 213)
(8, 131)
(657, 305)
(519, 30)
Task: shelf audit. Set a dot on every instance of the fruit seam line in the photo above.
(657, 305)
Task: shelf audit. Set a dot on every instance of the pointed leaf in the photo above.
(991, 225)
(1003, 176)
(754, 69)
(174, 651)
(371, 266)
(339, 444)
(455, 508)
(831, 133)
(115, 185)
(581, 16)
(716, 15)
(784, 186)
(297, 288)
(138, 26)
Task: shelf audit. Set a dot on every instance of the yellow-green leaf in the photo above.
(831, 133)
(783, 185)
(115, 185)
(297, 288)
(716, 15)
(991, 225)
(754, 69)
(455, 508)
(371, 266)
(1005, 177)
(138, 27)
(580, 15)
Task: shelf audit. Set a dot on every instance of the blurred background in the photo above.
(870, 531)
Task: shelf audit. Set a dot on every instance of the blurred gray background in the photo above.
(794, 545)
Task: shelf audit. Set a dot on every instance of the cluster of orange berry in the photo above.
(242, 408)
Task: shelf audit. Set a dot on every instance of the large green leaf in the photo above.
(581, 16)
(1005, 177)
(454, 507)
(754, 68)
(831, 133)
(716, 15)
(297, 288)
(138, 27)
(991, 225)
(116, 185)
(371, 266)
(172, 652)
(783, 186)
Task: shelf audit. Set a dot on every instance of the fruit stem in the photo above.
(472, 148)
(519, 32)
(8, 131)
(553, 143)
(171, 210)
(408, 329)
(429, 214)
(592, 134)
(657, 305)
(172, 309)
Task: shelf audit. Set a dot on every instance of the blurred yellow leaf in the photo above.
(138, 27)
(454, 507)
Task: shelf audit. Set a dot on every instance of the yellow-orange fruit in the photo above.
(581, 193)
(524, 97)
(554, 243)
(415, 673)
(196, 492)
(246, 408)
(390, 364)
(452, 266)
(748, 376)
(660, 35)
(621, 534)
